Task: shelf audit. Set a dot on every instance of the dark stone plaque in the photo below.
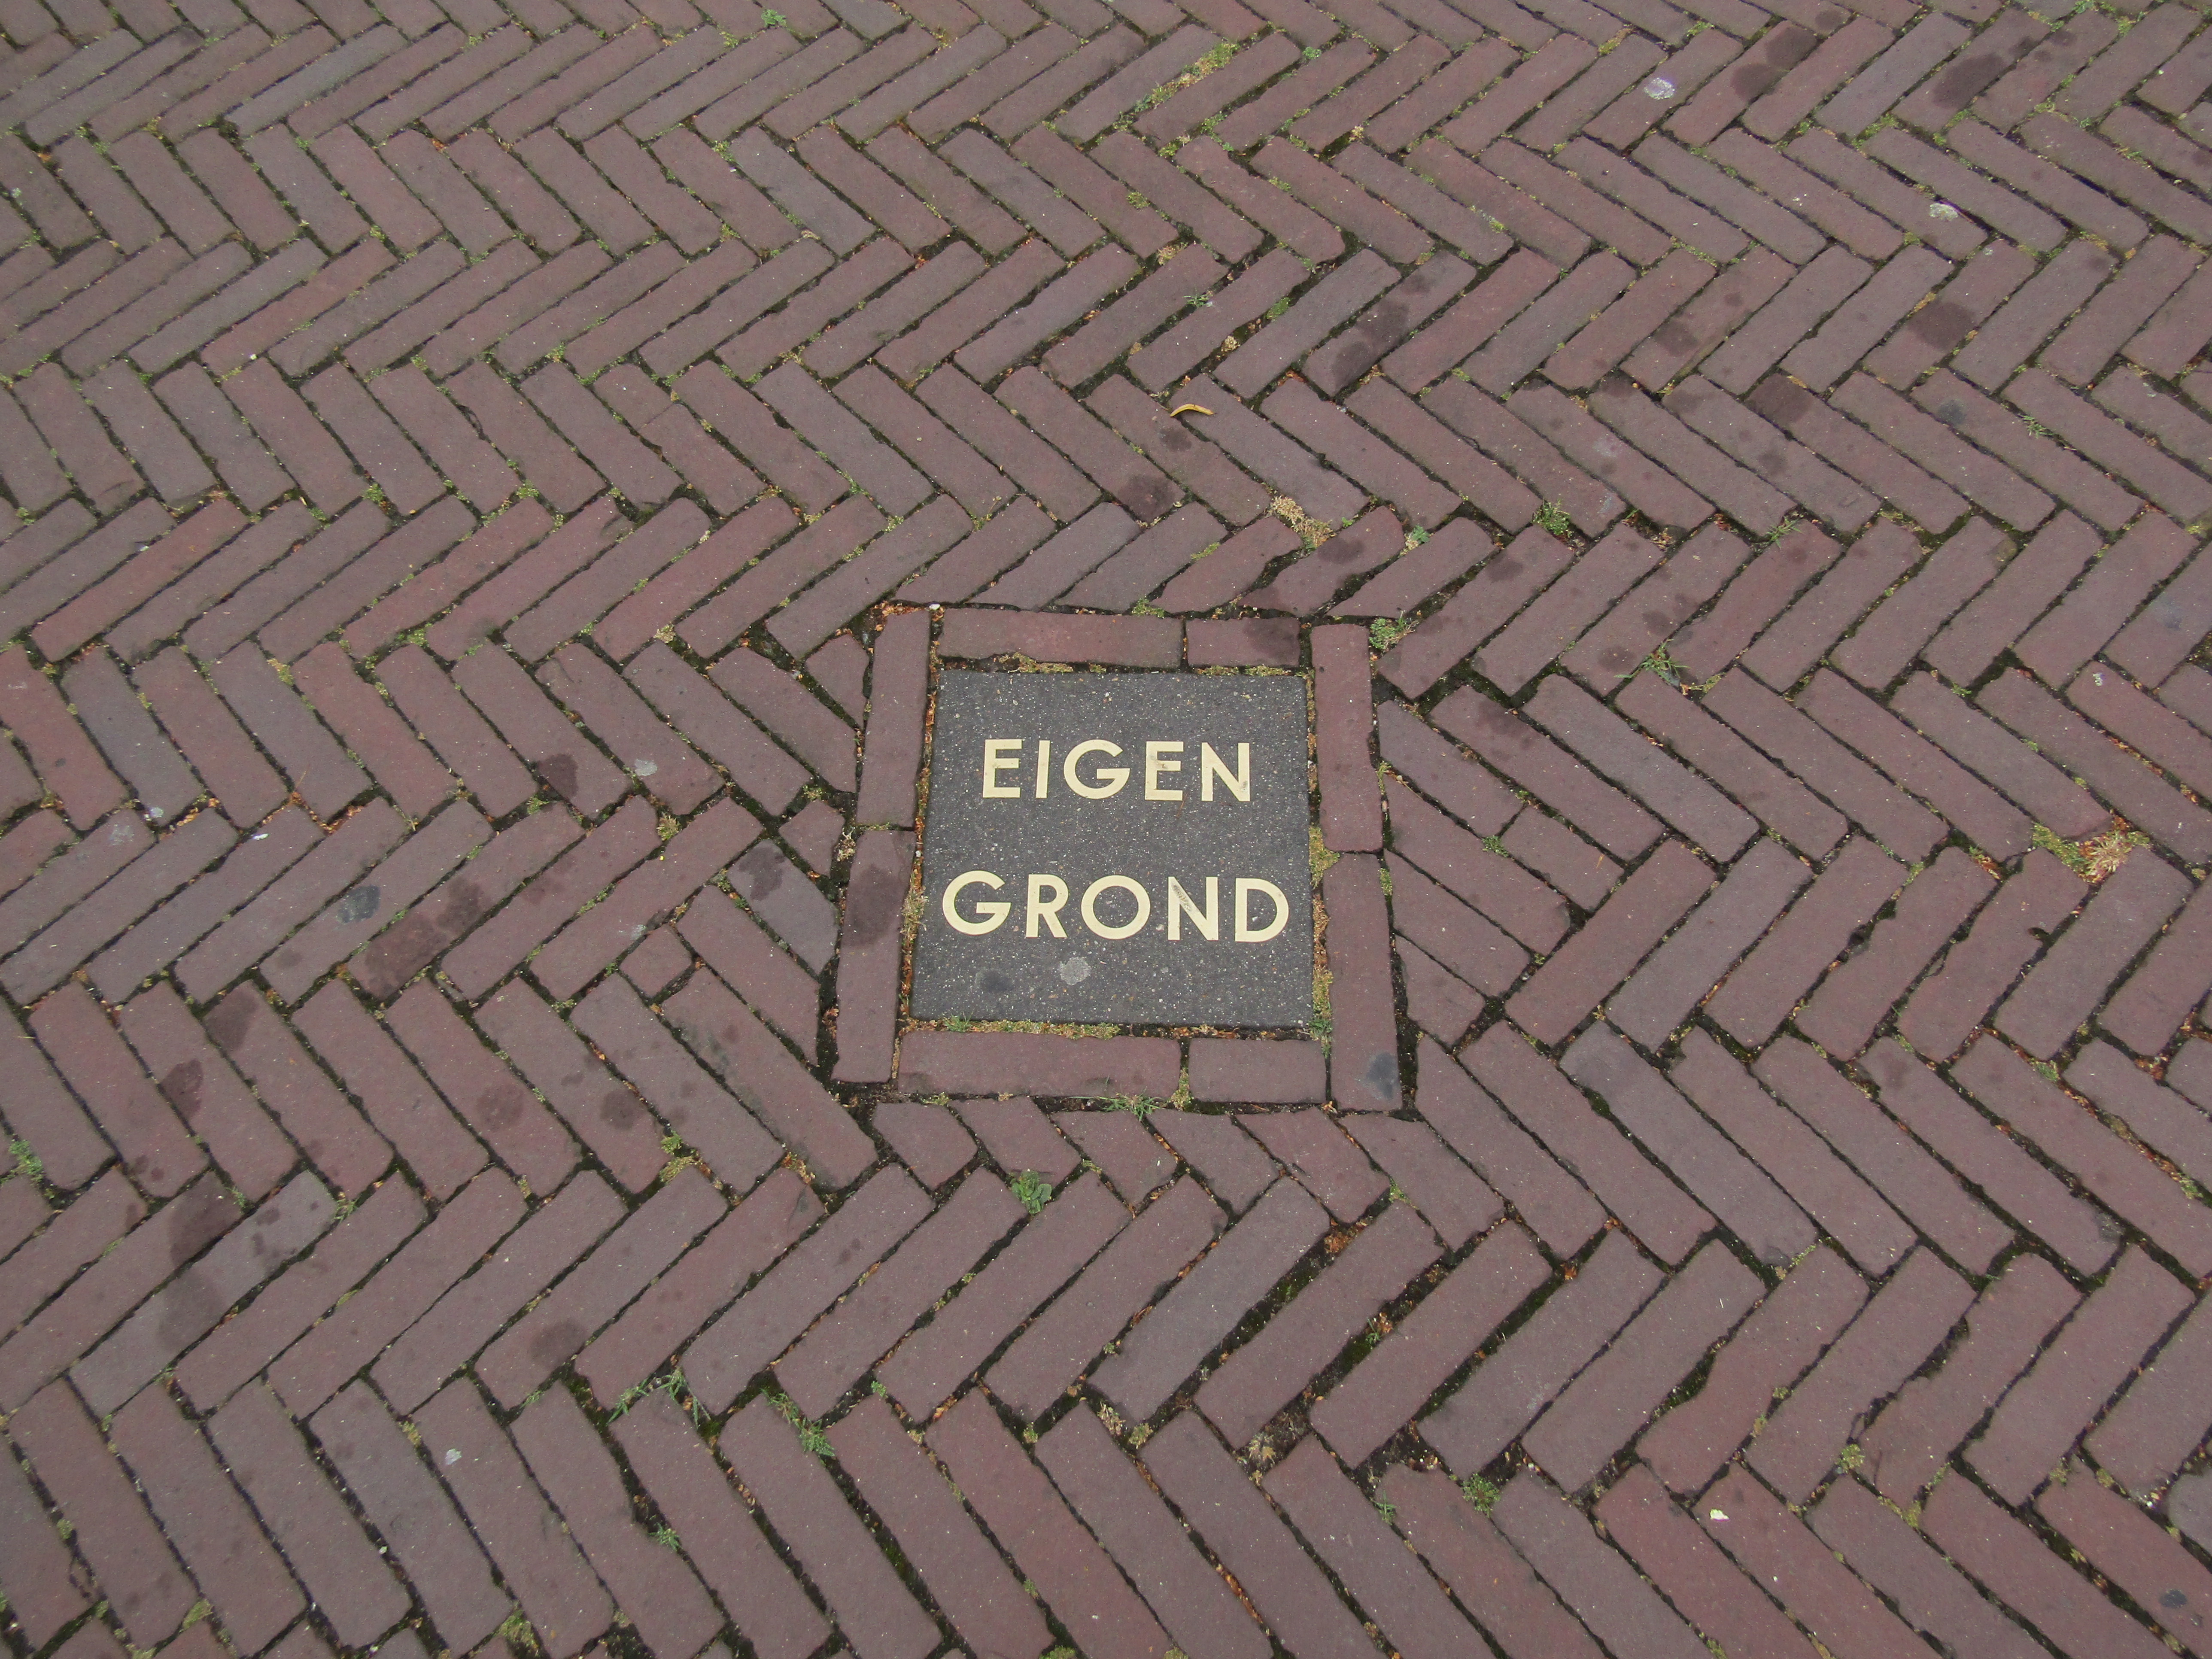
(1149, 867)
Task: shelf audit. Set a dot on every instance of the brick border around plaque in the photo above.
(877, 1043)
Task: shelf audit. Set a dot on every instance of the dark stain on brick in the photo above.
(1381, 1075)
(764, 871)
(452, 917)
(1373, 334)
(228, 1021)
(192, 1305)
(180, 1086)
(1259, 633)
(1386, 322)
(1941, 323)
(557, 1341)
(1780, 52)
(560, 771)
(501, 1106)
(1779, 400)
(1343, 548)
(1960, 83)
(1147, 498)
(872, 905)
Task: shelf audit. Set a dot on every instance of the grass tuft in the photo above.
(1034, 1191)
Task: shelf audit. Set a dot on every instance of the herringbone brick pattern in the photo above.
(492, 482)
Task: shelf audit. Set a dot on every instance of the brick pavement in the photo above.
(492, 485)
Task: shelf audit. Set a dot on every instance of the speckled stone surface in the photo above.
(1045, 834)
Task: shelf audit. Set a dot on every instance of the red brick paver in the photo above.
(492, 486)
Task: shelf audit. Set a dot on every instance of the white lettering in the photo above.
(1246, 933)
(1110, 884)
(996, 759)
(1110, 778)
(988, 916)
(1048, 896)
(1207, 922)
(1156, 761)
(1210, 766)
(1004, 755)
(1039, 910)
